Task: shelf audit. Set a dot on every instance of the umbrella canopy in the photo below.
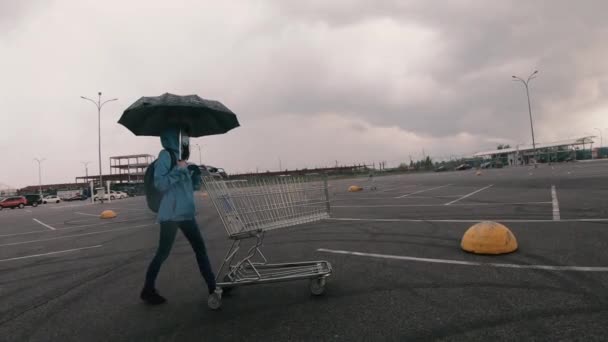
(149, 116)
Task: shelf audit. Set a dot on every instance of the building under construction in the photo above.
(124, 169)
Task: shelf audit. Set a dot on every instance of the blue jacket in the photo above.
(177, 185)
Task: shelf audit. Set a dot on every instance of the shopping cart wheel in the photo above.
(227, 289)
(317, 286)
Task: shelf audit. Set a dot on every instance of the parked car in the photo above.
(441, 168)
(51, 199)
(119, 194)
(105, 197)
(13, 202)
(78, 197)
(463, 167)
(33, 200)
(492, 164)
(208, 170)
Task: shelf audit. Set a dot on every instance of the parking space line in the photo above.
(469, 195)
(66, 228)
(75, 235)
(133, 209)
(399, 187)
(438, 205)
(465, 220)
(85, 214)
(50, 253)
(72, 206)
(556, 215)
(425, 190)
(44, 224)
(469, 263)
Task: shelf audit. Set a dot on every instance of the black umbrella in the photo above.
(198, 117)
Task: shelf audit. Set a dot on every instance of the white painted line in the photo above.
(466, 220)
(417, 192)
(69, 206)
(556, 215)
(361, 198)
(27, 210)
(469, 263)
(438, 205)
(386, 205)
(469, 195)
(391, 189)
(507, 203)
(85, 214)
(130, 209)
(400, 187)
(76, 235)
(71, 227)
(439, 196)
(51, 253)
(43, 224)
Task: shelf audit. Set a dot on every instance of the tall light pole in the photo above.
(39, 160)
(200, 159)
(86, 169)
(601, 137)
(526, 82)
(99, 105)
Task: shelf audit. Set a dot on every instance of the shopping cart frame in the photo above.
(249, 209)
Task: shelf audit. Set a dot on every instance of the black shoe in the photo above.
(152, 297)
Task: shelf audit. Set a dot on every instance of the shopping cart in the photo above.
(250, 208)
(371, 183)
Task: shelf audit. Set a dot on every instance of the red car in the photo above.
(13, 202)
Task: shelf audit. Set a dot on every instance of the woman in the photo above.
(177, 184)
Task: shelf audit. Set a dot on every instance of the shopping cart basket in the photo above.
(250, 208)
(370, 184)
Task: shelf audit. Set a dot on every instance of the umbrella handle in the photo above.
(180, 145)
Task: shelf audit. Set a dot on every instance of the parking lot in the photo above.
(399, 273)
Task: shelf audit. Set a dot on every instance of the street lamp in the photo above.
(526, 82)
(200, 159)
(39, 160)
(86, 169)
(99, 105)
(601, 137)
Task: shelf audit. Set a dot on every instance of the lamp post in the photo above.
(526, 82)
(86, 169)
(200, 159)
(39, 160)
(601, 137)
(99, 105)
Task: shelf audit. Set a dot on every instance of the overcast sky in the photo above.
(312, 82)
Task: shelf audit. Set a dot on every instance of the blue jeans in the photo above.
(168, 230)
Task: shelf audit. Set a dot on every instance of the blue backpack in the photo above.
(153, 196)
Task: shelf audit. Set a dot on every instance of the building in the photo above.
(6, 190)
(51, 188)
(131, 168)
(558, 151)
(123, 169)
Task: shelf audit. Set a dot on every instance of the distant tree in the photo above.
(428, 163)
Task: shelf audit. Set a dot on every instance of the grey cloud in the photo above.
(13, 13)
(435, 69)
(480, 38)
